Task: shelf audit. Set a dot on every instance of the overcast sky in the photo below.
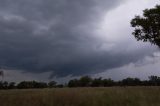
(62, 39)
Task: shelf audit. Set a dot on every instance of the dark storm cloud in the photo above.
(57, 35)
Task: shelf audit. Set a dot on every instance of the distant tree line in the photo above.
(87, 81)
(29, 85)
(84, 81)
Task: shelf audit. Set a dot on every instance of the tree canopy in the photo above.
(84, 81)
(147, 27)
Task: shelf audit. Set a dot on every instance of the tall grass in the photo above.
(113, 96)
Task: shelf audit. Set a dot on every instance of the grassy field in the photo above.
(113, 96)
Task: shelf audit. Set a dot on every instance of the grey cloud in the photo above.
(57, 35)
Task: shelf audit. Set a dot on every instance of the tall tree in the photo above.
(2, 74)
(85, 81)
(147, 27)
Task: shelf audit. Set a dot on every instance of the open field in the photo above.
(112, 96)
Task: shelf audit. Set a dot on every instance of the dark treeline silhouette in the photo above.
(29, 85)
(84, 81)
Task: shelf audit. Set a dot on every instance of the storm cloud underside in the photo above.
(60, 36)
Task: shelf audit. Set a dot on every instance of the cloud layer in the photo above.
(62, 37)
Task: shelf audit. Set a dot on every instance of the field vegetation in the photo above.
(85, 91)
(87, 96)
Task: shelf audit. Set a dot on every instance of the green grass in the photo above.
(113, 96)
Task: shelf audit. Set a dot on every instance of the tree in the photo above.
(11, 85)
(52, 84)
(154, 80)
(5, 85)
(108, 82)
(73, 83)
(85, 81)
(97, 82)
(147, 27)
(31, 84)
(131, 82)
(2, 74)
(1, 85)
